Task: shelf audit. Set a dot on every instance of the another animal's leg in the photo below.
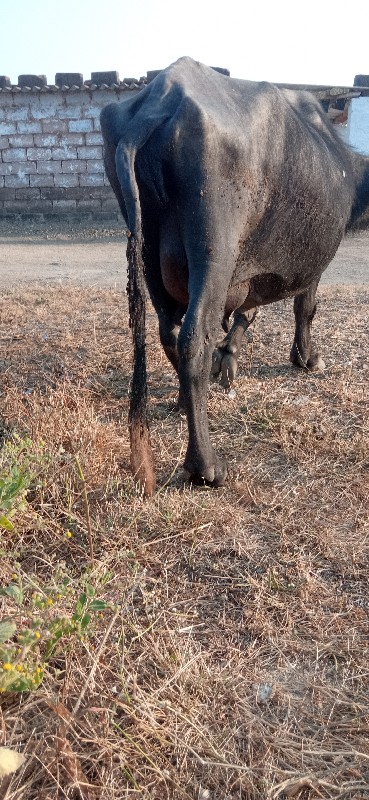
(303, 353)
(169, 328)
(225, 355)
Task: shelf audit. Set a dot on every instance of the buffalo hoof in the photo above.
(224, 367)
(317, 364)
(313, 364)
(213, 477)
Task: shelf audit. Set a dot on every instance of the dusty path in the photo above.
(87, 263)
(97, 257)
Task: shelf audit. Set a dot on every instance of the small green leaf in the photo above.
(79, 607)
(90, 591)
(7, 630)
(15, 592)
(5, 523)
(98, 605)
(85, 620)
(22, 684)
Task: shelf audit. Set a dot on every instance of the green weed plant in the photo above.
(30, 636)
(33, 630)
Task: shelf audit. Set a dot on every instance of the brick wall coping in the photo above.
(329, 92)
(109, 81)
(86, 87)
(73, 81)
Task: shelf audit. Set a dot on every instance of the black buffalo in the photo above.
(235, 194)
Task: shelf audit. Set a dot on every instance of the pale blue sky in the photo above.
(316, 41)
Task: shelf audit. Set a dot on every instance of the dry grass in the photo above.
(233, 662)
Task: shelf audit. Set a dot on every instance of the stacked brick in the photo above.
(51, 149)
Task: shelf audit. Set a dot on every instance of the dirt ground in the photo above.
(61, 253)
(229, 654)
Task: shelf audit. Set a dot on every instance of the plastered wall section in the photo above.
(51, 152)
(358, 125)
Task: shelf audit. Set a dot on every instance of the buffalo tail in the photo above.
(142, 464)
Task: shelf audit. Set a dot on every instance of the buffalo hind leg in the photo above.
(195, 346)
(226, 354)
(202, 464)
(303, 353)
